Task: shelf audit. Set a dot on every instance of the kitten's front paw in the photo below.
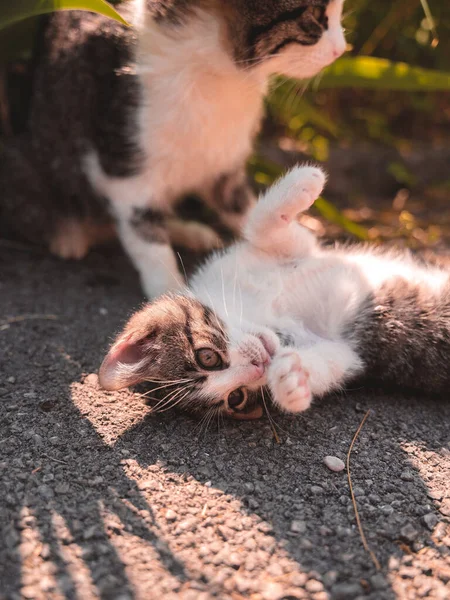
(289, 382)
(300, 188)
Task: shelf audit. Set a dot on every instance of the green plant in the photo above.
(18, 10)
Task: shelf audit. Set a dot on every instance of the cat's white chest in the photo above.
(198, 112)
(195, 130)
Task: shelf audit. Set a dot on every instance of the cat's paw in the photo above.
(298, 190)
(195, 236)
(70, 241)
(289, 382)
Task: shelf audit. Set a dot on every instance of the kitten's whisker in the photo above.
(242, 305)
(162, 387)
(272, 422)
(211, 413)
(223, 292)
(270, 416)
(218, 323)
(235, 280)
(166, 380)
(182, 264)
(170, 397)
(175, 403)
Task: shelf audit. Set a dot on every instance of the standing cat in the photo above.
(140, 117)
(279, 311)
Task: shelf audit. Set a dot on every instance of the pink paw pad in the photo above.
(290, 383)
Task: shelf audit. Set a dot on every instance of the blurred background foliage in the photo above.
(379, 118)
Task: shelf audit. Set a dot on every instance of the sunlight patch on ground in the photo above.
(110, 413)
(143, 566)
(33, 564)
(71, 556)
(425, 570)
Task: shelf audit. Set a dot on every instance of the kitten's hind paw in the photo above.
(297, 191)
(289, 382)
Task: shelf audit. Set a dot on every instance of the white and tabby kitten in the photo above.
(144, 116)
(280, 312)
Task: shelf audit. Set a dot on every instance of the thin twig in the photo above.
(358, 520)
(271, 421)
(12, 245)
(5, 324)
(61, 462)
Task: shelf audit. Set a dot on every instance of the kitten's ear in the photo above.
(127, 363)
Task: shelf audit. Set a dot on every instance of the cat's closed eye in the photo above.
(317, 12)
(209, 359)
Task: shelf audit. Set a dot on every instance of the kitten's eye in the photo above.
(236, 400)
(208, 359)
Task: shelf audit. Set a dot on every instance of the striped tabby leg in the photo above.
(232, 197)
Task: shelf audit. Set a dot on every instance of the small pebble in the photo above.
(408, 533)
(11, 380)
(298, 526)
(314, 586)
(430, 520)
(171, 515)
(334, 463)
(92, 379)
(316, 489)
(407, 475)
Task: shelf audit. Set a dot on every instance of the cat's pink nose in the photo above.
(261, 367)
(339, 47)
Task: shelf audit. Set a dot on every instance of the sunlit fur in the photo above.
(201, 107)
(287, 314)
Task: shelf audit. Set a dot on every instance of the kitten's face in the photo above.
(179, 341)
(295, 37)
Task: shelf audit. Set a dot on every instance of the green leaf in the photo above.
(286, 107)
(379, 73)
(13, 11)
(333, 215)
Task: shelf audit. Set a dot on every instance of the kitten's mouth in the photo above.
(255, 412)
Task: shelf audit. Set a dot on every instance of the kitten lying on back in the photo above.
(281, 312)
(141, 117)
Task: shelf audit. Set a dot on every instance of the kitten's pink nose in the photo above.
(339, 47)
(261, 367)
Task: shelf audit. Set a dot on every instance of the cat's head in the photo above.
(295, 37)
(182, 345)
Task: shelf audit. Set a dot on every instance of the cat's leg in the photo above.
(144, 235)
(296, 375)
(141, 210)
(232, 198)
(193, 235)
(272, 225)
